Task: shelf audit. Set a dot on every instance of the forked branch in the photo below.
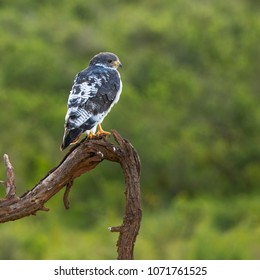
(81, 159)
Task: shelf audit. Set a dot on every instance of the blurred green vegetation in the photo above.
(190, 106)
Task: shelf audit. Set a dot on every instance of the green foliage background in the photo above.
(190, 106)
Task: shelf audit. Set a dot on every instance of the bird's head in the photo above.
(106, 59)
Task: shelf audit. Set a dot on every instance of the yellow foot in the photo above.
(91, 135)
(101, 132)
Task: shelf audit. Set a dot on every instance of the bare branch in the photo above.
(81, 159)
(115, 229)
(9, 183)
(130, 164)
(66, 195)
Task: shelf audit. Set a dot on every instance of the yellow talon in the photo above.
(91, 135)
(101, 131)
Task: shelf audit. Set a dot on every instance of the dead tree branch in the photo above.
(9, 183)
(81, 159)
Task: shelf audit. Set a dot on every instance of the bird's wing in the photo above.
(91, 97)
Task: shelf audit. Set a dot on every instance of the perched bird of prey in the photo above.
(94, 92)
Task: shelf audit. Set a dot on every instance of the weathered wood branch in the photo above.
(9, 184)
(81, 159)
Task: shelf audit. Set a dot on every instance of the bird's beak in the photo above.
(117, 64)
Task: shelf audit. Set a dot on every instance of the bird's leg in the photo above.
(101, 131)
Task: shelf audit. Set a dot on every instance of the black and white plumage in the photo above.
(95, 90)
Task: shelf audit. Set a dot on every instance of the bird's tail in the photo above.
(70, 136)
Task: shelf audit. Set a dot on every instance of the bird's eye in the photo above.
(110, 61)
